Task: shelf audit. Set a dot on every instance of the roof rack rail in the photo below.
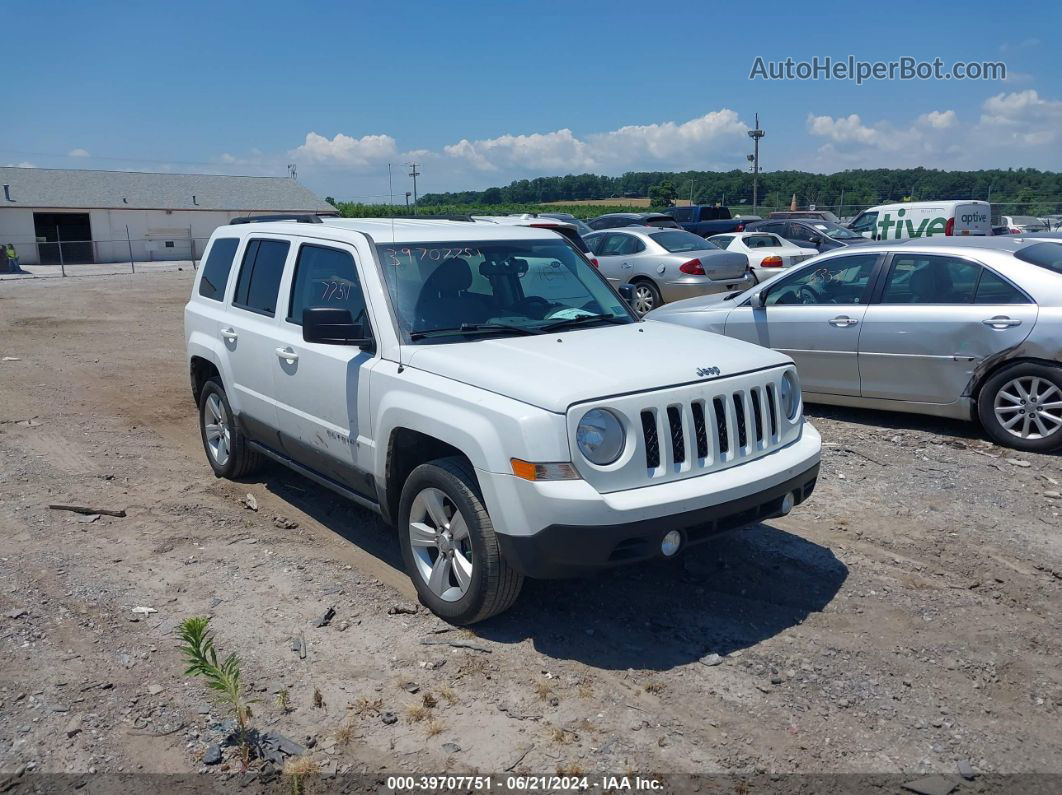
(299, 218)
(422, 217)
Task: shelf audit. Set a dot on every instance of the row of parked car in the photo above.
(909, 324)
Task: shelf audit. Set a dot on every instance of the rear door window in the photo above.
(216, 268)
(258, 286)
(682, 214)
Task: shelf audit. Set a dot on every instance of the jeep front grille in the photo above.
(691, 429)
(702, 433)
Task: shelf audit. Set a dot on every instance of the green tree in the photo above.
(662, 194)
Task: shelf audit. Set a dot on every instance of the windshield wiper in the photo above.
(732, 295)
(578, 321)
(472, 328)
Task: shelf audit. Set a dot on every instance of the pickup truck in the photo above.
(707, 221)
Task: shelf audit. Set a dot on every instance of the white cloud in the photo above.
(550, 151)
(1024, 44)
(716, 139)
(716, 134)
(79, 152)
(1014, 129)
(345, 150)
(1023, 118)
(844, 129)
(23, 164)
(939, 119)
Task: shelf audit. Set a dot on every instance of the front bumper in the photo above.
(569, 551)
(565, 528)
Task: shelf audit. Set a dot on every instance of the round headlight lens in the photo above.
(789, 394)
(600, 436)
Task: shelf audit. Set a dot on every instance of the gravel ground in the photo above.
(903, 621)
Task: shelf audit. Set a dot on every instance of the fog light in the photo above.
(788, 501)
(671, 543)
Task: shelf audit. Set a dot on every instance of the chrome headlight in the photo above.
(600, 436)
(789, 395)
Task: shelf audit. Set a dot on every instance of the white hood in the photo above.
(555, 370)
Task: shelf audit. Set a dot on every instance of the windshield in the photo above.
(677, 242)
(836, 231)
(449, 291)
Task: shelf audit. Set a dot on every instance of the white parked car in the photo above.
(1020, 224)
(767, 253)
(485, 389)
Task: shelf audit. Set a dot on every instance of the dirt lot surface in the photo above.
(905, 619)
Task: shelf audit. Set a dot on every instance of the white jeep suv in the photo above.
(483, 388)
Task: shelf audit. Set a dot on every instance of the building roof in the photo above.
(135, 190)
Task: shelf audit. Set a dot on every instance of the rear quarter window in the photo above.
(216, 268)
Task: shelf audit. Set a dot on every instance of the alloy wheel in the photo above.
(644, 300)
(442, 549)
(1029, 407)
(217, 428)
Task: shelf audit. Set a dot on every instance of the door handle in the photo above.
(626, 264)
(842, 321)
(1001, 322)
(287, 354)
(229, 334)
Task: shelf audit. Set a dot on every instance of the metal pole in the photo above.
(840, 207)
(129, 240)
(59, 243)
(414, 173)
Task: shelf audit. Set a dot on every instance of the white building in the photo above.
(98, 216)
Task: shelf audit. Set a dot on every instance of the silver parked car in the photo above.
(953, 327)
(666, 265)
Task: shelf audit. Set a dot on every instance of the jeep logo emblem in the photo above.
(704, 372)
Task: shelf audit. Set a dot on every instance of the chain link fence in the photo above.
(69, 255)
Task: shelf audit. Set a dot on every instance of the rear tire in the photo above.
(1021, 407)
(646, 297)
(449, 545)
(225, 445)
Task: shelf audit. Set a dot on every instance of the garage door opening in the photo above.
(68, 235)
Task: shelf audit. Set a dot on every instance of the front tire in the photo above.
(449, 545)
(225, 445)
(646, 298)
(1021, 407)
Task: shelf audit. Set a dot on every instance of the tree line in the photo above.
(1023, 190)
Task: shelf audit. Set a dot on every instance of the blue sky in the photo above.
(485, 92)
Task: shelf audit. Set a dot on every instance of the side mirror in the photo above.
(329, 326)
(626, 292)
(815, 241)
(757, 298)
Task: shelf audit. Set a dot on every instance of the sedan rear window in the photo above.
(677, 242)
(1045, 255)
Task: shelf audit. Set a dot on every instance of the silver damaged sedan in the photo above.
(969, 328)
(665, 265)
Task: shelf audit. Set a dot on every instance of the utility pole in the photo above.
(756, 134)
(414, 173)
